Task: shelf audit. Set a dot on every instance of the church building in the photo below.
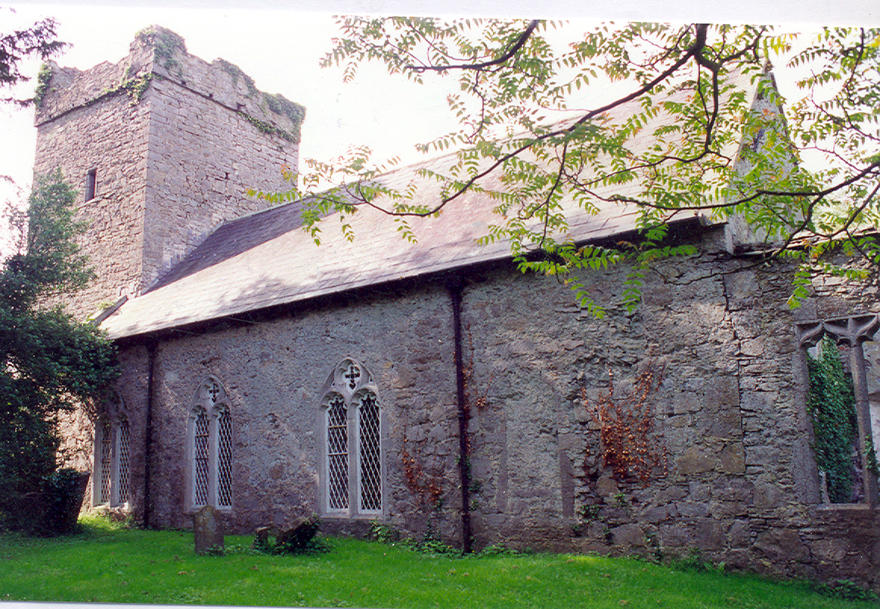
(431, 387)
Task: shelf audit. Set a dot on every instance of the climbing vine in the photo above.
(629, 444)
(427, 488)
(268, 128)
(44, 77)
(831, 405)
(134, 87)
(166, 44)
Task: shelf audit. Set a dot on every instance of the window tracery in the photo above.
(112, 475)
(210, 447)
(851, 332)
(352, 443)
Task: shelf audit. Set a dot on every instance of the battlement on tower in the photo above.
(159, 53)
(162, 147)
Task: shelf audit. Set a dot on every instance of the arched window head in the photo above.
(352, 444)
(210, 446)
(111, 479)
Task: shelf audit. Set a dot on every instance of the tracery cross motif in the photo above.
(853, 330)
(352, 375)
(213, 391)
(849, 330)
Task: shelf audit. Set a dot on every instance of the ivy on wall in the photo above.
(831, 404)
(630, 445)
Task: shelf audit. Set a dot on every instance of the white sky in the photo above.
(279, 43)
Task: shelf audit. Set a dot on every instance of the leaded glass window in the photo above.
(337, 453)
(352, 467)
(211, 447)
(122, 462)
(201, 458)
(106, 466)
(224, 459)
(111, 480)
(370, 479)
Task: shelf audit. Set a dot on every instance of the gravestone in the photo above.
(298, 537)
(207, 531)
(261, 539)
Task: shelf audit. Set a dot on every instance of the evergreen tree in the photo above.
(49, 362)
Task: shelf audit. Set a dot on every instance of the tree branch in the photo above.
(514, 48)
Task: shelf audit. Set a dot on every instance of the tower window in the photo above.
(91, 184)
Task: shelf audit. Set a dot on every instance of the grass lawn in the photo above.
(106, 563)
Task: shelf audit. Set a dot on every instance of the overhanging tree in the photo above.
(38, 40)
(49, 362)
(669, 145)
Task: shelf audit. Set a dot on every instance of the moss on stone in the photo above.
(165, 45)
(282, 106)
(43, 78)
(237, 73)
(269, 128)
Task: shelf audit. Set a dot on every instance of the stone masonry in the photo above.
(176, 141)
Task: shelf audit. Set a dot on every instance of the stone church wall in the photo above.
(739, 482)
(273, 372)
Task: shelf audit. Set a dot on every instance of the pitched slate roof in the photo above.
(266, 259)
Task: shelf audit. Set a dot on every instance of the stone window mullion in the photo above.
(852, 331)
(353, 460)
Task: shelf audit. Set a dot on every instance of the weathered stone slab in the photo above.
(207, 531)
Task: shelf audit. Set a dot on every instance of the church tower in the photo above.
(162, 148)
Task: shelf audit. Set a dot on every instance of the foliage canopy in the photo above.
(38, 40)
(686, 135)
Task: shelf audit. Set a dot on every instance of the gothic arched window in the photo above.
(351, 472)
(210, 447)
(111, 479)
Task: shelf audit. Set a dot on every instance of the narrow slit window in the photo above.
(91, 184)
